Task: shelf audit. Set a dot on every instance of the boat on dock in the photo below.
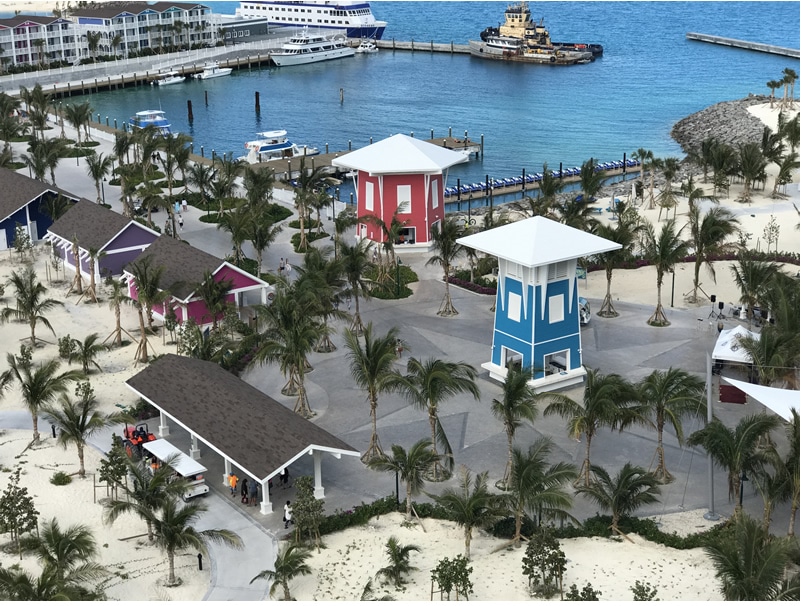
(274, 145)
(150, 117)
(505, 48)
(167, 78)
(306, 48)
(518, 24)
(367, 47)
(213, 70)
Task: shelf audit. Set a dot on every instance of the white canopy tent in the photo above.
(779, 401)
(728, 347)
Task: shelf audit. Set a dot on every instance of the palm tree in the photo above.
(517, 404)
(98, 167)
(310, 181)
(372, 369)
(31, 307)
(771, 354)
(261, 232)
(146, 279)
(399, 565)
(78, 115)
(623, 232)
(663, 251)
(751, 166)
(86, 351)
(92, 43)
(259, 185)
(391, 232)
(471, 505)
(709, 235)
(290, 563)
(20, 586)
(751, 565)
(36, 161)
(118, 296)
(411, 466)
(214, 295)
(39, 385)
(201, 177)
(667, 198)
(173, 529)
(785, 173)
(446, 252)
(740, 451)
(149, 489)
(78, 420)
(623, 494)
(356, 263)
(236, 222)
(66, 554)
(322, 275)
(643, 156)
(426, 385)
(55, 206)
(669, 396)
(534, 485)
(751, 276)
(604, 404)
(792, 465)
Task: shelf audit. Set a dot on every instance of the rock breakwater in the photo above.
(729, 122)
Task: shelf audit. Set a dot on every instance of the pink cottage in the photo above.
(404, 175)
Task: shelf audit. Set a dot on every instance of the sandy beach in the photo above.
(9, 6)
(352, 557)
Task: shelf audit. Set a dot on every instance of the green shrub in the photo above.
(486, 265)
(60, 479)
(89, 143)
(308, 224)
(66, 347)
(296, 239)
(77, 152)
(358, 516)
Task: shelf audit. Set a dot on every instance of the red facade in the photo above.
(418, 198)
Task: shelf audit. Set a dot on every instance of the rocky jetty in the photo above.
(729, 122)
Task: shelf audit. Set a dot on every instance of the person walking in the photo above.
(181, 222)
(288, 515)
(244, 490)
(253, 493)
(233, 480)
(284, 476)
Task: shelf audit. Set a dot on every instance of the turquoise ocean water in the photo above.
(650, 77)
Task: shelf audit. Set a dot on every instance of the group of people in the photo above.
(249, 491)
(284, 267)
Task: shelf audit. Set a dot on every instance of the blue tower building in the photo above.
(537, 323)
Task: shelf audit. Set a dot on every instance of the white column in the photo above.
(318, 483)
(267, 506)
(226, 471)
(194, 451)
(164, 429)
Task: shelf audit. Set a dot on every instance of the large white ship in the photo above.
(355, 17)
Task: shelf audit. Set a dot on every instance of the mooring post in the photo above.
(482, 145)
(256, 102)
(624, 169)
(206, 97)
(190, 117)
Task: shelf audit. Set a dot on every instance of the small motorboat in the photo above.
(213, 70)
(367, 46)
(150, 117)
(171, 77)
(273, 145)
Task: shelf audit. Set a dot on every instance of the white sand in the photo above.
(352, 557)
(26, 8)
(144, 566)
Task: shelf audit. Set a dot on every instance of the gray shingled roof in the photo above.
(91, 224)
(18, 190)
(227, 412)
(184, 265)
(109, 10)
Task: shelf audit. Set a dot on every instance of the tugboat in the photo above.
(518, 24)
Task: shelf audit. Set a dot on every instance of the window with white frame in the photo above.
(368, 196)
(556, 309)
(404, 199)
(514, 307)
(435, 194)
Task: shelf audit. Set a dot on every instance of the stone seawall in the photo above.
(729, 122)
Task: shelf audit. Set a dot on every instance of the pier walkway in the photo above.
(755, 46)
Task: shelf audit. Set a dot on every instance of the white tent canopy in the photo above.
(780, 401)
(728, 347)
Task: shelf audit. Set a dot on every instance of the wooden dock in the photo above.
(755, 46)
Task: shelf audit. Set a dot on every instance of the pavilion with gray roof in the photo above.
(235, 420)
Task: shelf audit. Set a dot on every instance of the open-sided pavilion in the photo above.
(249, 429)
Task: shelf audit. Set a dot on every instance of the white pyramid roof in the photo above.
(400, 154)
(537, 241)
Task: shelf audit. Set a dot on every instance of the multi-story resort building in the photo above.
(115, 28)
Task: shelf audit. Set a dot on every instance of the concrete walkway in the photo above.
(625, 345)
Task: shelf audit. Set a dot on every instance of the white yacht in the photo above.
(367, 46)
(213, 70)
(150, 117)
(355, 17)
(309, 48)
(171, 77)
(274, 145)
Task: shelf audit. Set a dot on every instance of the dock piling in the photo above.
(257, 109)
(190, 117)
(206, 97)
